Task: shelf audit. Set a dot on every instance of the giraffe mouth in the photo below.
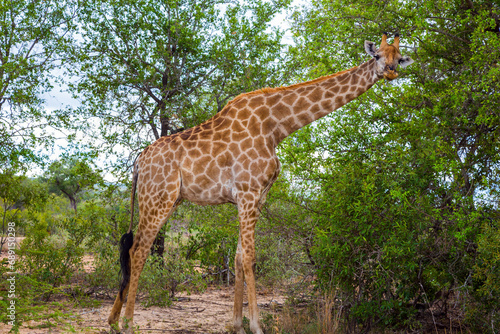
(390, 75)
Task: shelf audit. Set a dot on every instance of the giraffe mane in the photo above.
(282, 88)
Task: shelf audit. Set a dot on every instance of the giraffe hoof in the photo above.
(114, 328)
(128, 331)
(127, 327)
(255, 328)
(114, 331)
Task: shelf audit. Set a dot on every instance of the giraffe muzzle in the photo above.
(390, 75)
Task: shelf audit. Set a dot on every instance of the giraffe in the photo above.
(231, 158)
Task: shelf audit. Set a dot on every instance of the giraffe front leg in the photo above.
(248, 213)
(238, 291)
(249, 272)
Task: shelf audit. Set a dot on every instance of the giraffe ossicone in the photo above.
(231, 158)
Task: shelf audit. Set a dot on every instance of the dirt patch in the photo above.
(88, 263)
(11, 243)
(208, 312)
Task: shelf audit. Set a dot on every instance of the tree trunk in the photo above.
(158, 247)
(165, 127)
(72, 200)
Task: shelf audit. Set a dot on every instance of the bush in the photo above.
(161, 278)
(44, 268)
(483, 313)
(164, 278)
(396, 252)
(53, 259)
(212, 237)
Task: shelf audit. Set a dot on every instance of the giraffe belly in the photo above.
(204, 191)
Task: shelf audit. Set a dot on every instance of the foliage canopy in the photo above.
(402, 182)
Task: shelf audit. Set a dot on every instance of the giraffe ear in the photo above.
(405, 61)
(370, 48)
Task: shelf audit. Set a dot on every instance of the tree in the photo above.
(32, 32)
(151, 68)
(71, 176)
(18, 193)
(403, 182)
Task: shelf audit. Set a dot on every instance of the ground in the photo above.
(207, 312)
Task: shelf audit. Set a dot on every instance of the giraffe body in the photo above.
(231, 158)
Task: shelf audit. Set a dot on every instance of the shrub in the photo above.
(52, 259)
(164, 278)
(483, 313)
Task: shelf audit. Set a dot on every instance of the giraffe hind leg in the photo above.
(151, 218)
(138, 256)
(248, 212)
(149, 226)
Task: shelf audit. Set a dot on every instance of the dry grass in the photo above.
(324, 317)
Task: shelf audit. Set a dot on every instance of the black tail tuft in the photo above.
(125, 244)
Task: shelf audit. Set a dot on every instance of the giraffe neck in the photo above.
(276, 113)
(299, 105)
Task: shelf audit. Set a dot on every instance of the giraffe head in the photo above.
(387, 56)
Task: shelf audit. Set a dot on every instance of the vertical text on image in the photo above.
(11, 246)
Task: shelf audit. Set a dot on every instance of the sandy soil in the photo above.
(208, 312)
(8, 241)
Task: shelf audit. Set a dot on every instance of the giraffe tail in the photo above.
(132, 195)
(125, 244)
(127, 239)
